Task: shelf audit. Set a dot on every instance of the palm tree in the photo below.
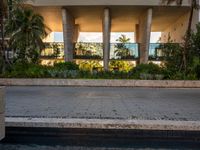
(194, 5)
(3, 14)
(26, 31)
(123, 39)
(5, 6)
(121, 49)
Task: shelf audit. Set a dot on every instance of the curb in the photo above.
(101, 83)
(103, 124)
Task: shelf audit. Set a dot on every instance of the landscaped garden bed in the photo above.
(71, 70)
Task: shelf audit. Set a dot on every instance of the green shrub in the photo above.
(120, 65)
(66, 66)
(27, 70)
(90, 65)
(197, 70)
(110, 75)
(55, 73)
(147, 71)
(61, 70)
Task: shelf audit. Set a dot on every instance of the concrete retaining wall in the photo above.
(100, 83)
(2, 116)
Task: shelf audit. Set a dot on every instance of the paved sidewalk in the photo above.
(103, 103)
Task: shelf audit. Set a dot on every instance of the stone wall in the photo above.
(2, 110)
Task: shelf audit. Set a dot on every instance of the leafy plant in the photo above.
(147, 71)
(121, 65)
(186, 47)
(87, 57)
(90, 65)
(66, 66)
(26, 31)
(121, 50)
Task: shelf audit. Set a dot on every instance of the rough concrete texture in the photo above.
(103, 124)
(68, 33)
(2, 118)
(106, 24)
(103, 103)
(2, 126)
(60, 147)
(101, 83)
(145, 22)
(2, 102)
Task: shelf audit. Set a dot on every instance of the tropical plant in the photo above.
(89, 49)
(186, 45)
(3, 14)
(123, 39)
(173, 58)
(195, 40)
(56, 50)
(26, 31)
(195, 52)
(90, 65)
(121, 65)
(147, 71)
(6, 8)
(120, 48)
(66, 66)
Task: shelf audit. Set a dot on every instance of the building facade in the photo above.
(139, 16)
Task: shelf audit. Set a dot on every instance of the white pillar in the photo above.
(145, 22)
(106, 37)
(2, 114)
(68, 34)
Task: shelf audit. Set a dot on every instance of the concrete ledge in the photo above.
(103, 124)
(2, 115)
(2, 102)
(101, 83)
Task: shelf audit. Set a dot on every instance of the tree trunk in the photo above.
(2, 42)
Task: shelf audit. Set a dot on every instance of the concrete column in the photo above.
(68, 33)
(106, 37)
(76, 33)
(136, 34)
(2, 114)
(145, 22)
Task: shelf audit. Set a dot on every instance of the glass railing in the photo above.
(124, 51)
(157, 50)
(53, 50)
(118, 51)
(88, 51)
(82, 50)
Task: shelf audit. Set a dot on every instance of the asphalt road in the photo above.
(103, 103)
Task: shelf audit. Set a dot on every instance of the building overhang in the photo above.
(100, 2)
(124, 18)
